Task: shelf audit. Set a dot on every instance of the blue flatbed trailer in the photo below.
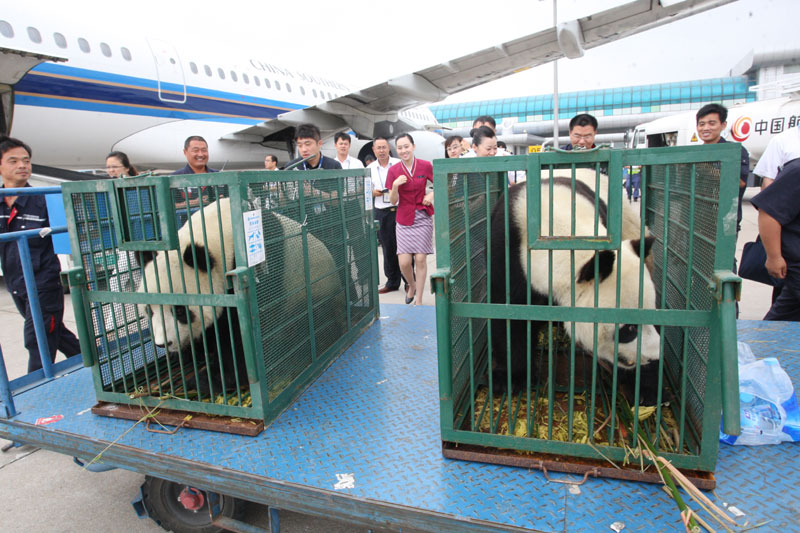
(375, 414)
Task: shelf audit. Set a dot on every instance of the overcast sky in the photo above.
(363, 42)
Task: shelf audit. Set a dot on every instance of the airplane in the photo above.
(753, 124)
(77, 93)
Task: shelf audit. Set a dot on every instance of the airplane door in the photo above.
(14, 64)
(171, 83)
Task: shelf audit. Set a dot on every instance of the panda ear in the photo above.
(146, 256)
(200, 253)
(606, 265)
(648, 244)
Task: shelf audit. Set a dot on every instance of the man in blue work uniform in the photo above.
(779, 227)
(711, 122)
(24, 213)
(195, 149)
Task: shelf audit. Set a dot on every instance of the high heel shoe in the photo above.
(410, 299)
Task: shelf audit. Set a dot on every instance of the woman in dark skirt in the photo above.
(407, 182)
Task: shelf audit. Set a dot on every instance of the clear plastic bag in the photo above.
(768, 404)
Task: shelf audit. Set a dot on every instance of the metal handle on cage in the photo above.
(727, 291)
(594, 472)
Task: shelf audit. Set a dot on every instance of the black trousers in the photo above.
(787, 305)
(59, 338)
(386, 234)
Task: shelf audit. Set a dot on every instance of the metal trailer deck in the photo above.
(375, 414)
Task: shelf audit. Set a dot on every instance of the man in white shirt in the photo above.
(271, 162)
(342, 144)
(781, 149)
(385, 213)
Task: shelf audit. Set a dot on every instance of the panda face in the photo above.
(164, 319)
(626, 259)
(199, 266)
(626, 335)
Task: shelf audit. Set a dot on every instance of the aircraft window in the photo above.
(84, 45)
(60, 40)
(193, 67)
(277, 85)
(207, 70)
(246, 78)
(266, 83)
(257, 80)
(288, 88)
(234, 77)
(34, 34)
(105, 49)
(125, 53)
(6, 30)
(315, 92)
(302, 90)
(221, 73)
(330, 97)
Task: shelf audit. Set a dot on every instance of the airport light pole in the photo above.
(555, 81)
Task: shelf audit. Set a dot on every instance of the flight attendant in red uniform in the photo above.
(407, 182)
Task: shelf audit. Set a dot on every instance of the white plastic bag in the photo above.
(768, 405)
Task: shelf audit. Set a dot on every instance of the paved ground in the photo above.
(45, 491)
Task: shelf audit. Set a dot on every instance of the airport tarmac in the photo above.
(46, 491)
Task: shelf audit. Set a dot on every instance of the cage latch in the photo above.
(240, 275)
(440, 280)
(723, 277)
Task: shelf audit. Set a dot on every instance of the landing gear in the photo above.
(183, 509)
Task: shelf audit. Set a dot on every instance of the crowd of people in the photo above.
(403, 207)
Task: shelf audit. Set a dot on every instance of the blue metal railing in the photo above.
(48, 370)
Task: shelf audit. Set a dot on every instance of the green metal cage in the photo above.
(225, 293)
(568, 403)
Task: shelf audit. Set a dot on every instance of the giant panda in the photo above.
(202, 267)
(609, 261)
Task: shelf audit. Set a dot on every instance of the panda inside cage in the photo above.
(606, 307)
(181, 322)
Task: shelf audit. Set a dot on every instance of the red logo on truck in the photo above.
(741, 129)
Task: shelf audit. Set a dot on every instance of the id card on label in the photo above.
(254, 237)
(386, 198)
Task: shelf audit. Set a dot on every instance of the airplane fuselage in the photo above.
(143, 96)
(752, 124)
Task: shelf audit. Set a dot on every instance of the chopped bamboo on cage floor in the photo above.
(247, 401)
(668, 430)
(539, 411)
(162, 390)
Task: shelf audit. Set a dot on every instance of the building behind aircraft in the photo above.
(653, 115)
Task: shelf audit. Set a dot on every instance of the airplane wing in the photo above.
(374, 110)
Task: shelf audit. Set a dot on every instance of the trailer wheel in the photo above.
(183, 509)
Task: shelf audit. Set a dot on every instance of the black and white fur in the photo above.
(194, 323)
(609, 261)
